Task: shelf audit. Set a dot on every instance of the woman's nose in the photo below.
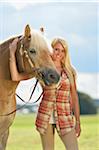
(58, 52)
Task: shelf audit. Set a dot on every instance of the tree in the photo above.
(86, 104)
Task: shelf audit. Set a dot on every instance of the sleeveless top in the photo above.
(59, 101)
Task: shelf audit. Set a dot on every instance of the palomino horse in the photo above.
(32, 57)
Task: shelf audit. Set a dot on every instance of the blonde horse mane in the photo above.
(39, 41)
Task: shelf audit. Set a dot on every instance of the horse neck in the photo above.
(22, 62)
(4, 60)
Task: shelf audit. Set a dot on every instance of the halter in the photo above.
(23, 52)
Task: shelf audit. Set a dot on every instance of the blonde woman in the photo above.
(58, 104)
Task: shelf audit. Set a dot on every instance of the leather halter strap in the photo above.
(24, 53)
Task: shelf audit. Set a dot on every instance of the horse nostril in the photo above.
(49, 76)
(53, 77)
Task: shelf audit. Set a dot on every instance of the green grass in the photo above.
(23, 135)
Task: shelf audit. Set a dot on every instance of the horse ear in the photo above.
(27, 32)
(42, 29)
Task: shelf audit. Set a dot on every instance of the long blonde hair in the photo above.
(66, 63)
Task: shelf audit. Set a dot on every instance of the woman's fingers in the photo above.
(13, 45)
(78, 130)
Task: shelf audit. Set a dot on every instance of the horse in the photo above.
(32, 57)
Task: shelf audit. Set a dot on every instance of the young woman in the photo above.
(58, 104)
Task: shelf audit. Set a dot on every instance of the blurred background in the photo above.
(75, 21)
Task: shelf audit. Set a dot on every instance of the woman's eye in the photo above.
(56, 49)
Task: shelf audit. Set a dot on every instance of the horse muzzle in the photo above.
(49, 76)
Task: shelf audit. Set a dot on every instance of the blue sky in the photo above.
(75, 21)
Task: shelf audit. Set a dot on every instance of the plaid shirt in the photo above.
(57, 100)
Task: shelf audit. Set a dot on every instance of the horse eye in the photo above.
(32, 51)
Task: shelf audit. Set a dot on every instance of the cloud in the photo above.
(89, 83)
(21, 4)
(18, 5)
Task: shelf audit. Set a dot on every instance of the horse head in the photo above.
(34, 54)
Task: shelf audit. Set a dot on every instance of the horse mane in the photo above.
(39, 41)
(6, 43)
(4, 58)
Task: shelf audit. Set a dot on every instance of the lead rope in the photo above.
(24, 100)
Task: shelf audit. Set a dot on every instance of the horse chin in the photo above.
(44, 82)
(47, 81)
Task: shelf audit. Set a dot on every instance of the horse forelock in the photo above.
(39, 41)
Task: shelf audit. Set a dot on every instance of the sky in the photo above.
(76, 21)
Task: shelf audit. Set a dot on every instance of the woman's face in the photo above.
(58, 52)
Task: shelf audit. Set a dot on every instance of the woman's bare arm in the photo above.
(76, 108)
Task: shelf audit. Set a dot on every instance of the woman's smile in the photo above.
(58, 52)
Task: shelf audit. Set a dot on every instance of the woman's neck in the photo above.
(58, 66)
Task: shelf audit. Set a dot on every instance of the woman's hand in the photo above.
(13, 47)
(77, 129)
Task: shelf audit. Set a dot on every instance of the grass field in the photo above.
(23, 135)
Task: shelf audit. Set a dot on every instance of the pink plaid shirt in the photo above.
(59, 101)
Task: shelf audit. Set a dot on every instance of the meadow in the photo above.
(23, 135)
